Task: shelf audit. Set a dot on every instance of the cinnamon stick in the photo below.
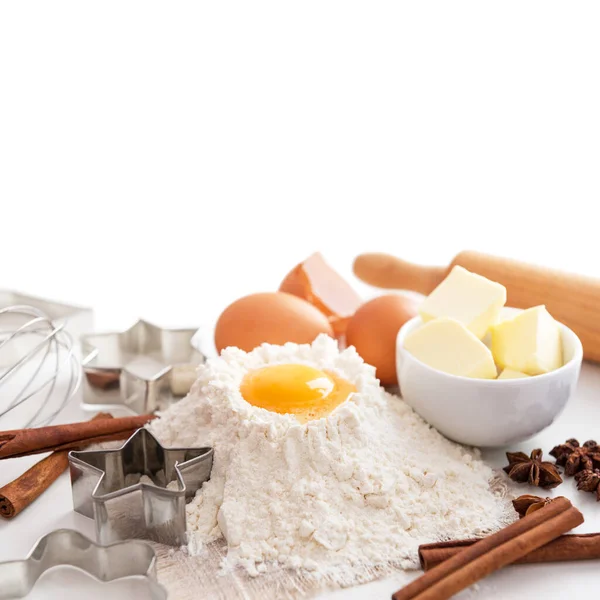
(20, 493)
(584, 546)
(493, 552)
(103, 379)
(77, 445)
(23, 442)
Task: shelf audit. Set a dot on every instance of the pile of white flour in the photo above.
(364, 486)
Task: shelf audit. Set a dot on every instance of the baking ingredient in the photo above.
(103, 379)
(529, 342)
(531, 469)
(272, 317)
(447, 345)
(588, 480)
(373, 330)
(512, 374)
(572, 299)
(564, 548)
(315, 281)
(468, 298)
(358, 490)
(301, 390)
(524, 345)
(527, 504)
(575, 458)
(23, 442)
(493, 552)
(20, 493)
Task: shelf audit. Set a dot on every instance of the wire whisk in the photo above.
(39, 369)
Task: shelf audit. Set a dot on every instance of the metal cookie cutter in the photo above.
(68, 547)
(139, 490)
(145, 367)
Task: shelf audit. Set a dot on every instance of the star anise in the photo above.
(588, 480)
(527, 504)
(531, 469)
(575, 458)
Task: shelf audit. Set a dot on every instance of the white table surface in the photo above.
(580, 419)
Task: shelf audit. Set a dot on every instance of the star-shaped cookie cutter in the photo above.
(67, 547)
(140, 489)
(144, 367)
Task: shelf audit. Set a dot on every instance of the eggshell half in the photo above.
(273, 317)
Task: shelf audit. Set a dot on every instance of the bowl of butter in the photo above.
(481, 373)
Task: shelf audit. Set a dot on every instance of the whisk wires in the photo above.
(35, 352)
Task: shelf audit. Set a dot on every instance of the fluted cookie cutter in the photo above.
(139, 490)
(65, 547)
(144, 367)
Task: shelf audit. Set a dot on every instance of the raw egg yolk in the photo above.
(303, 391)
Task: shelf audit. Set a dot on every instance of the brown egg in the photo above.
(274, 317)
(373, 330)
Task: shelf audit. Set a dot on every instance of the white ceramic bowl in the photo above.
(483, 412)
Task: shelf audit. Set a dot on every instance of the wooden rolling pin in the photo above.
(571, 299)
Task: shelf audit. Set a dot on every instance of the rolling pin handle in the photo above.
(390, 272)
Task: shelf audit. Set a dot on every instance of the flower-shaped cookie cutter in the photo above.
(144, 367)
(139, 490)
(68, 547)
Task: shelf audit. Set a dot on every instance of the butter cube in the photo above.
(512, 374)
(447, 345)
(529, 342)
(467, 297)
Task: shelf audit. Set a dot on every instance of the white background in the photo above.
(162, 159)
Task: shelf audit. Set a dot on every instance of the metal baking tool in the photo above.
(76, 320)
(65, 547)
(139, 490)
(39, 369)
(145, 367)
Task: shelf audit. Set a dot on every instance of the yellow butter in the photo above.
(512, 374)
(447, 345)
(468, 298)
(530, 342)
